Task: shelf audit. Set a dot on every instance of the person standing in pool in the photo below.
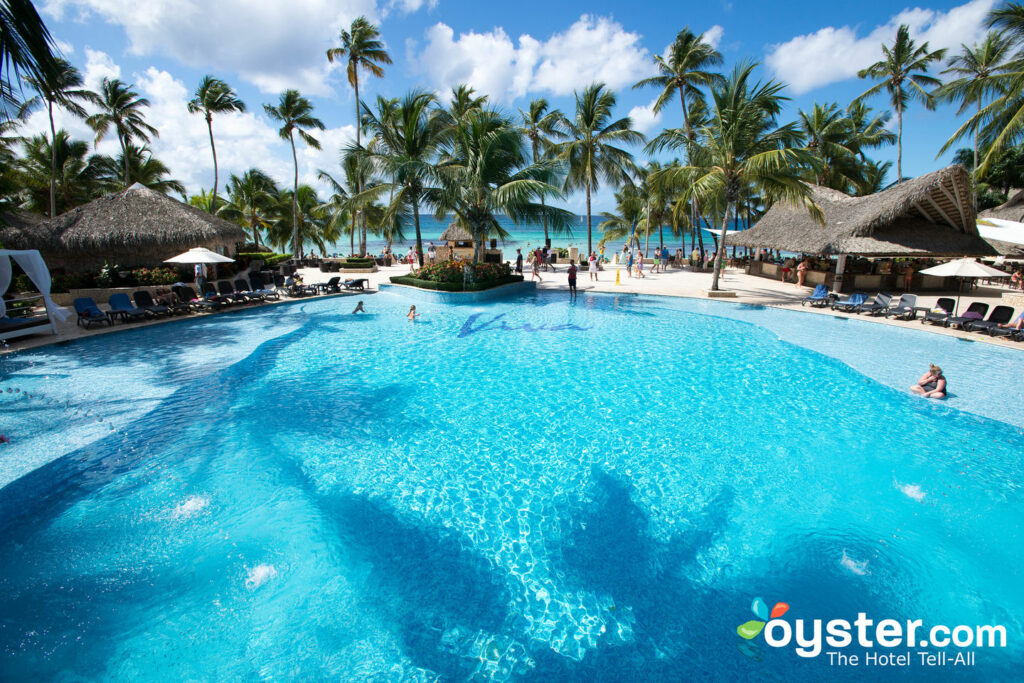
(359, 308)
(932, 383)
(519, 261)
(572, 279)
(412, 314)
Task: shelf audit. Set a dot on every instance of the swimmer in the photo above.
(359, 308)
(932, 383)
(412, 314)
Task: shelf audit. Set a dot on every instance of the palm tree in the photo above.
(26, 48)
(362, 48)
(867, 129)
(77, 179)
(251, 200)
(743, 148)
(346, 202)
(121, 109)
(903, 74)
(310, 225)
(407, 137)
(629, 207)
(464, 100)
(64, 89)
(145, 168)
(295, 114)
(978, 70)
(214, 96)
(590, 152)
(872, 178)
(485, 171)
(541, 127)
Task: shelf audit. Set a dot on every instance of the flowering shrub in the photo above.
(452, 271)
(156, 276)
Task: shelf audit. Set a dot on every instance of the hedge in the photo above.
(355, 262)
(453, 286)
(269, 259)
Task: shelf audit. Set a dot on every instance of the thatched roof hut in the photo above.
(931, 215)
(456, 233)
(137, 226)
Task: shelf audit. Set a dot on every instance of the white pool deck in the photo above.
(748, 289)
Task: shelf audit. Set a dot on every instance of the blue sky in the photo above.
(513, 51)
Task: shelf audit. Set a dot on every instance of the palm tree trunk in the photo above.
(899, 143)
(717, 265)
(359, 188)
(590, 243)
(352, 233)
(296, 247)
(419, 235)
(53, 163)
(544, 215)
(255, 234)
(661, 237)
(213, 148)
(974, 173)
(124, 153)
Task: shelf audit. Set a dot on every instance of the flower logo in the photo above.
(752, 628)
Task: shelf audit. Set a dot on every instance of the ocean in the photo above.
(525, 236)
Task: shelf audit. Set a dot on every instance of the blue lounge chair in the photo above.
(242, 287)
(1000, 315)
(210, 293)
(227, 290)
(819, 297)
(945, 306)
(121, 306)
(258, 287)
(975, 311)
(188, 295)
(905, 308)
(89, 313)
(879, 305)
(850, 303)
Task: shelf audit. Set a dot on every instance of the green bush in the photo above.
(269, 259)
(356, 262)
(453, 286)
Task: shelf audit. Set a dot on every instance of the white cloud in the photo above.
(98, 65)
(64, 47)
(713, 36)
(410, 6)
(274, 44)
(592, 49)
(834, 54)
(644, 118)
(244, 139)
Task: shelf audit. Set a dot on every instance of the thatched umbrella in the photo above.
(136, 226)
(456, 233)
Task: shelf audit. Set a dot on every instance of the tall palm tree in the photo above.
(903, 73)
(346, 202)
(214, 96)
(295, 114)
(542, 127)
(251, 200)
(121, 109)
(26, 48)
(978, 70)
(407, 138)
(362, 48)
(63, 88)
(591, 153)
(485, 171)
(146, 170)
(464, 100)
(77, 179)
(743, 147)
(867, 129)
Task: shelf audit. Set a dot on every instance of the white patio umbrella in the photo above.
(963, 268)
(199, 255)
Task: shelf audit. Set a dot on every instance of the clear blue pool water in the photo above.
(565, 492)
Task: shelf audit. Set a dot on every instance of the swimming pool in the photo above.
(524, 490)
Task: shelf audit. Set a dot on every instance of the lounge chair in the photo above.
(258, 287)
(144, 300)
(331, 285)
(905, 309)
(850, 303)
(227, 290)
(242, 287)
(355, 285)
(819, 297)
(210, 293)
(879, 305)
(89, 313)
(21, 327)
(975, 311)
(938, 317)
(192, 300)
(121, 306)
(1000, 315)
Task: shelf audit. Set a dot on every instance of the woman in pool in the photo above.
(412, 314)
(932, 383)
(572, 279)
(359, 308)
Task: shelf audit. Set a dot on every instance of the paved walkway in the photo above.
(683, 283)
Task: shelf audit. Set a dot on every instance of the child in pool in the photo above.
(412, 314)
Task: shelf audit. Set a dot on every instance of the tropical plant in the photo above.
(295, 114)
(406, 140)
(485, 171)
(145, 169)
(742, 148)
(542, 127)
(362, 48)
(214, 96)
(62, 88)
(591, 152)
(121, 109)
(464, 100)
(872, 178)
(77, 180)
(311, 228)
(26, 49)
(867, 129)
(252, 198)
(903, 73)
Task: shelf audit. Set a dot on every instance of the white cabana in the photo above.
(32, 263)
